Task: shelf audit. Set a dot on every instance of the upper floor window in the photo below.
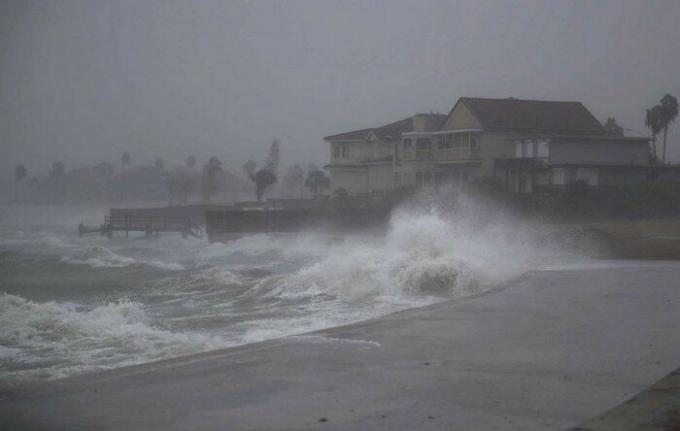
(341, 151)
(444, 142)
(518, 149)
(423, 144)
(345, 151)
(407, 143)
(543, 148)
(473, 142)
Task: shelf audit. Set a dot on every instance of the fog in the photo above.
(85, 81)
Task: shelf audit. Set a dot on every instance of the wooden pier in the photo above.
(150, 225)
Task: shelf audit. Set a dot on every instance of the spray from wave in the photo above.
(253, 289)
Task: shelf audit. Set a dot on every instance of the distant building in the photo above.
(527, 145)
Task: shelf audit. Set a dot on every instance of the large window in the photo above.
(345, 151)
(336, 151)
(423, 144)
(543, 149)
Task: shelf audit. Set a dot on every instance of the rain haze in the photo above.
(347, 215)
(85, 81)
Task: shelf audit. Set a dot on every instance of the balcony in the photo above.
(417, 155)
(464, 153)
(439, 155)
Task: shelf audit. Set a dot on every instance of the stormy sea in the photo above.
(71, 305)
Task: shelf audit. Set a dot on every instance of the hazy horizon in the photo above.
(85, 81)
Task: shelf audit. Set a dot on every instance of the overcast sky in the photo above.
(84, 81)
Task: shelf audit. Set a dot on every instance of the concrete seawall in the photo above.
(547, 351)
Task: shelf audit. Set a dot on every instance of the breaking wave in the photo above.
(102, 257)
(57, 339)
(208, 296)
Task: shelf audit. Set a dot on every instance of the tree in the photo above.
(263, 179)
(191, 162)
(159, 164)
(295, 179)
(210, 181)
(20, 172)
(668, 114)
(58, 170)
(653, 121)
(125, 159)
(103, 170)
(249, 168)
(317, 181)
(272, 162)
(612, 128)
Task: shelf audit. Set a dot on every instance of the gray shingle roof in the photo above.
(393, 130)
(533, 115)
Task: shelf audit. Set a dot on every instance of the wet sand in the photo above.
(547, 351)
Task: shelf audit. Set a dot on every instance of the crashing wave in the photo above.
(102, 257)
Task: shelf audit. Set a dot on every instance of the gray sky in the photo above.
(83, 81)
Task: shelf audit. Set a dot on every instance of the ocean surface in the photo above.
(71, 305)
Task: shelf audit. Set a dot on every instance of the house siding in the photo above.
(461, 118)
(594, 151)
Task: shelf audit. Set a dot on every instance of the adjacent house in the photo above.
(525, 144)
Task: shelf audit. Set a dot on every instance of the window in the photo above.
(427, 178)
(419, 179)
(473, 142)
(345, 151)
(423, 144)
(518, 149)
(543, 149)
(336, 151)
(438, 178)
(407, 144)
(444, 142)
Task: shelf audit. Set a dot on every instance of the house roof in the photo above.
(392, 130)
(535, 115)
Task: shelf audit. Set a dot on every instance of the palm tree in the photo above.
(669, 112)
(612, 127)
(191, 162)
(263, 179)
(653, 120)
(20, 173)
(210, 181)
(316, 181)
(272, 162)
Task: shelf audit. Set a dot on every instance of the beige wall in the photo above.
(354, 180)
(361, 150)
(461, 118)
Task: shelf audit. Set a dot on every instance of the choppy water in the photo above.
(70, 305)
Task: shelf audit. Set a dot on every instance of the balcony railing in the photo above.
(412, 154)
(443, 154)
(455, 153)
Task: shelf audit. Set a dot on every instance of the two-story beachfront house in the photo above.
(525, 144)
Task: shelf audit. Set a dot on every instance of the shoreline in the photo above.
(530, 354)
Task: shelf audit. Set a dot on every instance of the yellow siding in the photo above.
(461, 118)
